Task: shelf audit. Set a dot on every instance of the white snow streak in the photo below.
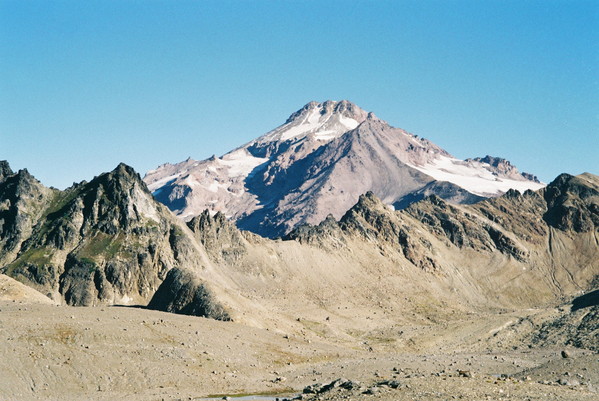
(240, 162)
(348, 122)
(159, 183)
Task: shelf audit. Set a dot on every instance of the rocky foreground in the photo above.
(55, 352)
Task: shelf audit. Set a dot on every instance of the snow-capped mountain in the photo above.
(318, 163)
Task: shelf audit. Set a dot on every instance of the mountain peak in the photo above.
(327, 108)
(124, 169)
(317, 163)
(122, 173)
(571, 202)
(322, 122)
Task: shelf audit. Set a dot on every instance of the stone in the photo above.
(312, 388)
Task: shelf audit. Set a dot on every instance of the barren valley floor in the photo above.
(107, 353)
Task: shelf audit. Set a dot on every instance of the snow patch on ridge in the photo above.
(153, 187)
(350, 123)
(325, 125)
(240, 162)
(473, 177)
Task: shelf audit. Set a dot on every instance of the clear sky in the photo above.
(85, 85)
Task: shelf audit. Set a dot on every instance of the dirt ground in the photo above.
(54, 352)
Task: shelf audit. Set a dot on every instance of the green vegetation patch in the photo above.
(36, 256)
(101, 246)
(60, 200)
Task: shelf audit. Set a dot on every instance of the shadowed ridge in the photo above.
(573, 202)
(586, 300)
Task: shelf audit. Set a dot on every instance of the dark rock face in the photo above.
(314, 235)
(77, 283)
(572, 204)
(463, 229)
(174, 196)
(5, 170)
(530, 176)
(106, 241)
(21, 204)
(184, 293)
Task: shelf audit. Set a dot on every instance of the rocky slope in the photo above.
(516, 247)
(103, 242)
(318, 163)
(430, 262)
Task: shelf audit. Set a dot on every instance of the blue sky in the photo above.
(85, 85)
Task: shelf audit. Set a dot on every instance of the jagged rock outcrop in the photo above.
(464, 229)
(371, 219)
(374, 221)
(185, 293)
(327, 232)
(222, 240)
(503, 167)
(5, 170)
(102, 242)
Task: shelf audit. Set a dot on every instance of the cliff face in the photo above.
(222, 240)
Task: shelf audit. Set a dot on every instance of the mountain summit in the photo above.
(318, 163)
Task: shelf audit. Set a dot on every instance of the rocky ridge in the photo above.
(503, 167)
(108, 241)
